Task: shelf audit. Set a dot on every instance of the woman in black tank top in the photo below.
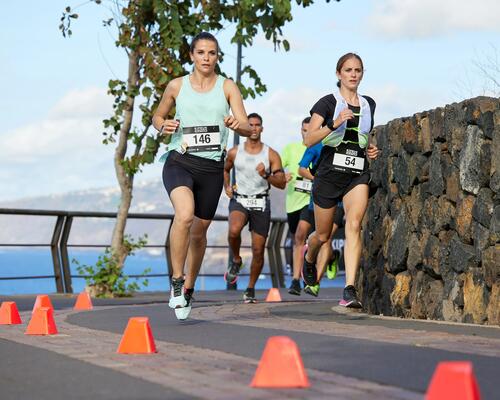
(344, 119)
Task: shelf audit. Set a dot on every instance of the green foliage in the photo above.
(106, 276)
(157, 33)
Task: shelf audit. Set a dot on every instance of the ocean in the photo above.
(34, 261)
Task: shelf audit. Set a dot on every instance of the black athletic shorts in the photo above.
(328, 189)
(204, 177)
(259, 221)
(304, 214)
(338, 219)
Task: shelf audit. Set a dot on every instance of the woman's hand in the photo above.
(231, 122)
(372, 152)
(344, 115)
(169, 126)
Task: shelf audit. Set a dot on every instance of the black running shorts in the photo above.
(204, 177)
(304, 214)
(329, 189)
(339, 217)
(259, 221)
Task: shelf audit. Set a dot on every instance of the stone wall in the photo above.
(432, 231)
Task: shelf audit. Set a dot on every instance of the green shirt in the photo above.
(290, 157)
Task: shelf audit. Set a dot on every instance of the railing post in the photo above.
(275, 264)
(277, 250)
(64, 255)
(56, 261)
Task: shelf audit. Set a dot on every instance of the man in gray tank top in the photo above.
(256, 168)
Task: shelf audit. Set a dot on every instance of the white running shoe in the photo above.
(177, 298)
(182, 313)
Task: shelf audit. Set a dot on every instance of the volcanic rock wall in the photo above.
(432, 231)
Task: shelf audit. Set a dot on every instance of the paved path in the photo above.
(348, 355)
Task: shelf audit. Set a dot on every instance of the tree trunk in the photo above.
(125, 180)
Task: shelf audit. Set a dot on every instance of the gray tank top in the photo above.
(248, 180)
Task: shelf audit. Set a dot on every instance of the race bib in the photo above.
(201, 138)
(303, 185)
(348, 160)
(252, 203)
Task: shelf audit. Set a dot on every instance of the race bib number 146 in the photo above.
(202, 138)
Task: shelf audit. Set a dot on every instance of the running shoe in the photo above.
(177, 299)
(333, 266)
(309, 273)
(295, 287)
(350, 298)
(233, 269)
(249, 296)
(312, 290)
(183, 312)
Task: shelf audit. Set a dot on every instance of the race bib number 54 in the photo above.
(348, 163)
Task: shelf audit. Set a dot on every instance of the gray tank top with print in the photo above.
(248, 180)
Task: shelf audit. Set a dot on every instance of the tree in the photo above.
(155, 34)
(488, 66)
(483, 77)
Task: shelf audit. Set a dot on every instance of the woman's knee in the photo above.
(353, 225)
(184, 219)
(198, 237)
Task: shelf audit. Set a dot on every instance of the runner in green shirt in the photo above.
(297, 205)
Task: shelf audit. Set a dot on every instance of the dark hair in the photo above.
(255, 115)
(306, 120)
(203, 36)
(346, 57)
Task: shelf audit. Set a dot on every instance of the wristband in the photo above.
(329, 124)
(266, 175)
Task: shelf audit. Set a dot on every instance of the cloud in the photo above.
(428, 18)
(72, 125)
(62, 151)
(394, 101)
(283, 111)
(88, 103)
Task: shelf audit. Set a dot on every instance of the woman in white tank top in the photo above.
(193, 171)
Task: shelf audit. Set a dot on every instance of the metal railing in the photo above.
(62, 230)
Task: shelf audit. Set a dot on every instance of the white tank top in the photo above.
(248, 180)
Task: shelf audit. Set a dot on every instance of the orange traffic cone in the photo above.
(280, 365)
(9, 314)
(273, 295)
(83, 302)
(42, 300)
(137, 338)
(42, 322)
(453, 380)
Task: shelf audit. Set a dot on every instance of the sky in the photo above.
(418, 55)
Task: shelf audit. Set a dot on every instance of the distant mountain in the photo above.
(149, 197)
